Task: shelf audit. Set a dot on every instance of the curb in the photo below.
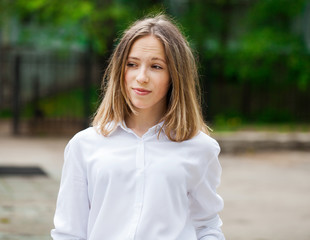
(262, 141)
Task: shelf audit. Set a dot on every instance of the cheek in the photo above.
(129, 77)
(127, 80)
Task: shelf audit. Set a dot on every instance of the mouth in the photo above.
(141, 91)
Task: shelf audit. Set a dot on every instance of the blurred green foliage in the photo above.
(87, 23)
(268, 51)
(258, 44)
(267, 46)
(67, 103)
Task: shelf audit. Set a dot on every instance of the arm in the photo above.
(205, 204)
(72, 209)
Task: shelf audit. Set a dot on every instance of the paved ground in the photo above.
(267, 194)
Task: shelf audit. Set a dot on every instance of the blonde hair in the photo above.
(183, 118)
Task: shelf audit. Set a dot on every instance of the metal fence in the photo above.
(28, 77)
(29, 80)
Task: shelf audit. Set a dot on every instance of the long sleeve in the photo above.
(72, 209)
(205, 204)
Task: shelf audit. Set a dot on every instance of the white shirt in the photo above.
(124, 187)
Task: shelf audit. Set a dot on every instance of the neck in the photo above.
(143, 120)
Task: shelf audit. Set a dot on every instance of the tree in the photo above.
(74, 22)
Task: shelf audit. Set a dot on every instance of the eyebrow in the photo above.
(154, 58)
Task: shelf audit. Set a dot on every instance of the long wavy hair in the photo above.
(183, 118)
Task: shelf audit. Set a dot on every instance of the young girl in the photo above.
(147, 169)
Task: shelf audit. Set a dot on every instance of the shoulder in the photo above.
(88, 136)
(204, 144)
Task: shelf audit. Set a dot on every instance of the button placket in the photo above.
(139, 188)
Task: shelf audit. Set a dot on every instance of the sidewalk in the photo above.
(27, 204)
(266, 193)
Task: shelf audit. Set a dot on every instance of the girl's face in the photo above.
(147, 78)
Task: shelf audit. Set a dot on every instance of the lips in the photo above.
(141, 91)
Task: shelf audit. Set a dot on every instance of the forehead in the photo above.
(148, 45)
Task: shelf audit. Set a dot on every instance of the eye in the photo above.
(130, 64)
(155, 66)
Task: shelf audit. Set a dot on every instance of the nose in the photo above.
(142, 76)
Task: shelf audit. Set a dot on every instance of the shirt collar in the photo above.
(150, 132)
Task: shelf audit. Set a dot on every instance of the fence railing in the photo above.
(29, 82)
(50, 93)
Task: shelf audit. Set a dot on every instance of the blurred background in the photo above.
(254, 66)
(254, 58)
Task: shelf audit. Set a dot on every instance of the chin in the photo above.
(137, 103)
(140, 107)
